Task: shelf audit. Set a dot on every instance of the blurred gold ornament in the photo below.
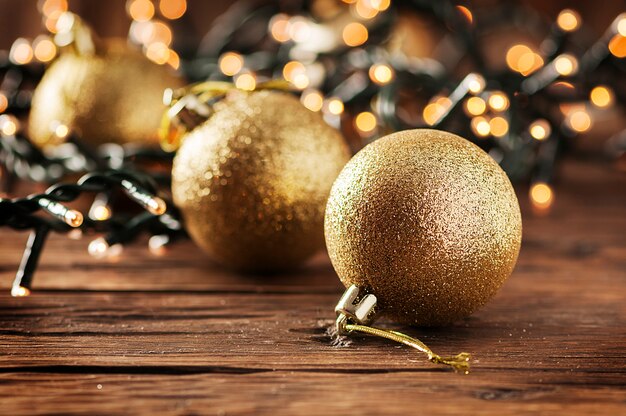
(252, 181)
(111, 95)
(427, 222)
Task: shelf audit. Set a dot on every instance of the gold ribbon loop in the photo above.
(357, 309)
(191, 105)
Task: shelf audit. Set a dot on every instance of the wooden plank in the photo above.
(300, 392)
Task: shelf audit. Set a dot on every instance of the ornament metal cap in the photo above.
(358, 309)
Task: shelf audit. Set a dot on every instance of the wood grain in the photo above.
(176, 335)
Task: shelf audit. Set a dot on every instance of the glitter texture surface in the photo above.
(426, 221)
(253, 180)
(115, 96)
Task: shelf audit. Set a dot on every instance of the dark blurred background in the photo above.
(109, 18)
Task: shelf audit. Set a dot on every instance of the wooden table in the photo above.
(174, 334)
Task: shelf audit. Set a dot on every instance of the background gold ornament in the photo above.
(253, 180)
(114, 95)
(427, 222)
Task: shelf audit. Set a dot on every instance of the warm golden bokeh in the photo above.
(601, 96)
(568, 20)
(230, 63)
(365, 122)
(173, 9)
(355, 34)
(541, 196)
(540, 129)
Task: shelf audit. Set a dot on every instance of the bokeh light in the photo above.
(173, 9)
(579, 120)
(246, 81)
(568, 20)
(140, 10)
(355, 34)
(480, 126)
(566, 65)
(498, 126)
(312, 99)
(21, 52)
(44, 49)
(475, 106)
(540, 129)
(365, 122)
(335, 106)
(279, 27)
(498, 101)
(230, 63)
(541, 196)
(381, 74)
(617, 46)
(601, 96)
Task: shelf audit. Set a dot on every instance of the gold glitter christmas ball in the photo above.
(253, 180)
(115, 95)
(427, 222)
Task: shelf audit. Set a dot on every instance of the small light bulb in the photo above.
(579, 121)
(566, 65)
(173, 9)
(301, 81)
(20, 291)
(61, 131)
(246, 82)
(475, 83)
(568, 20)
(141, 10)
(521, 58)
(498, 101)
(433, 112)
(541, 196)
(475, 106)
(21, 52)
(540, 129)
(8, 125)
(100, 212)
(156, 206)
(73, 218)
(364, 9)
(279, 28)
(480, 126)
(98, 248)
(498, 126)
(44, 49)
(617, 46)
(313, 100)
(365, 122)
(157, 243)
(355, 34)
(381, 74)
(601, 96)
(335, 106)
(231, 63)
